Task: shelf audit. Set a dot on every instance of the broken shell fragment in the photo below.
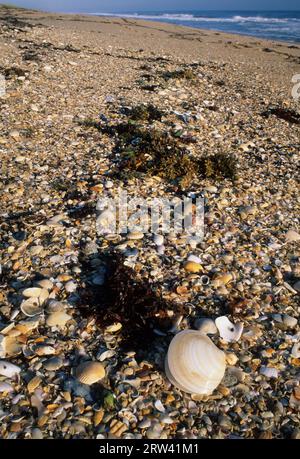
(229, 332)
(206, 326)
(6, 387)
(90, 372)
(194, 364)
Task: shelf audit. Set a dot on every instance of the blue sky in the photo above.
(93, 6)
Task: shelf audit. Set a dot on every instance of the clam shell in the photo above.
(31, 307)
(194, 364)
(229, 332)
(33, 292)
(8, 369)
(90, 372)
(58, 319)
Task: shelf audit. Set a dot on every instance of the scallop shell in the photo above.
(229, 332)
(31, 307)
(8, 369)
(194, 364)
(90, 372)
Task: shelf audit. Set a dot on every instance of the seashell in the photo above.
(194, 364)
(45, 284)
(194, 258)
(43, 296)
(9, 346)
(43, 349)
(90, 372)
(31, 307)
(6, 387)
(158, 239)
(98, 416)
(228, 331)
(114, 327)
(159, 406)
(192, 267)
(292, 236)
(221, 280)
(135, 235)
(33, 292)
(2, 346)
(107, 355)
(8, 369)
(269, 372)
(296, 351)
(26, 326)
(160, 249)
(70, 286)
(53, 364)
(206, 326)
(33, 384)
(58, 319)
(205, 280)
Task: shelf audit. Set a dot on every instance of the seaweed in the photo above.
(152, 152)
(129, 298)
(283, 113)
(13, 71)
(145, 113)
(218, 165)
(185, 74)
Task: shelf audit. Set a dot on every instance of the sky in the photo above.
(93, 6)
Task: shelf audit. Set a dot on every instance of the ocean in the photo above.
(273, 25)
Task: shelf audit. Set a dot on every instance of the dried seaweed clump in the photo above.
(182, 74)
(89, 123)
(217, 166)
(153, 152)
(128, 298)
(283, 113)
(145, 113)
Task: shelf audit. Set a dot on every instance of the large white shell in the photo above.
(229, 332)
(8, 369)
(194, 364)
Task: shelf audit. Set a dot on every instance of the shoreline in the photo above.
(137, 19)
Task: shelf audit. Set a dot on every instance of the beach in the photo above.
(94, 105)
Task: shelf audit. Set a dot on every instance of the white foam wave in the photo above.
(193, 18)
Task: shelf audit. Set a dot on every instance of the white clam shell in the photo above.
(229, 332)
(194, 364)
(31, 307)
(8, 369)
(33, 292)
